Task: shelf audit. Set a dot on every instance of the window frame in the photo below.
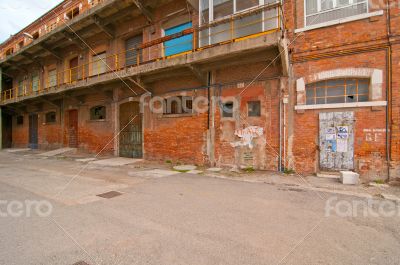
(345, 80)
(248, 108)
(319, 11)
(47, 116)
(231, 114)
(181, 111)
(97, 60)
(91, 118)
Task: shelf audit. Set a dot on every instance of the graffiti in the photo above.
(247, 135)
(374, 135)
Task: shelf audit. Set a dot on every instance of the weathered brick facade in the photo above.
(255, 68)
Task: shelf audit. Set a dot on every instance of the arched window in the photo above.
(343, 90)
(98, 113)
(51, 117)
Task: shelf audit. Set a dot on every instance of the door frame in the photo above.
(77, 128)
(117, 123)
(33, 145)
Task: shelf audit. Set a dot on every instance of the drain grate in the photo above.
(81, 263)
(110, 194)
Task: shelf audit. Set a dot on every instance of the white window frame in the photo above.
(335, 7)
(211, 10)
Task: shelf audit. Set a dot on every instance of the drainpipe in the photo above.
(1, 113)
(389, 92)
(280, 129)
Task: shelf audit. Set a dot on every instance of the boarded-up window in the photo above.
(181, 44)
(98, 113)
(99, 63)
(51, 117)
(338, 91)
(21, 88)
(52, 78)
(133, 54)
(35, 82)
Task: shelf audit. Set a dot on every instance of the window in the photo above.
(338, 91)
(248, 24)
(10, 51)
(52, 78)
(72, 13)
(319, 11)
(178, 105)
(227, 109)
(20, 45)
(51, 117)
(52, 26)
(35, 82)
(254, 108)
(20, 120)
(98, 113)
(99, 63)
(178, 45)
(21, 88)
(35, 35)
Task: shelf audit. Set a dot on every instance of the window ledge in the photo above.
(342, 105)
(340, 21)
(179, 115)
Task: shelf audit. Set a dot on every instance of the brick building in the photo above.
(304, 84)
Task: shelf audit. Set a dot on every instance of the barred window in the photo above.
(338, 91)
(319, 11)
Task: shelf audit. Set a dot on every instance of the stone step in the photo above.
(328, 174)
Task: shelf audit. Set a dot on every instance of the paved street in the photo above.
(176, 218)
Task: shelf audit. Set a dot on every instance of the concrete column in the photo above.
(1, 113)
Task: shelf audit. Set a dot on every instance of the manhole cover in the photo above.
(110, 195)
(81, 263)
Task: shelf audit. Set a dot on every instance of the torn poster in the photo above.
(343, 132)
(341, 145)
(247, 135)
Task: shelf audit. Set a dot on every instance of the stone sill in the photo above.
(342, 105)
(340, 21)
(176, 115)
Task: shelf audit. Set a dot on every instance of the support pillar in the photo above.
(1, 113)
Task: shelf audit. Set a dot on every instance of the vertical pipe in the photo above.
(1, 114)
(280, 129)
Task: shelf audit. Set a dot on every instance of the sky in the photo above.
(17, 14)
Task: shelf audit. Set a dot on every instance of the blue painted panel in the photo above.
(178, 45)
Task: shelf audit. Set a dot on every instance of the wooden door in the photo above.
(73, 65)
(33, 131)
(336, 141)
(6, 130)
(73, 128)
(131, 138)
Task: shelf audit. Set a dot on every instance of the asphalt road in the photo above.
(178, 219)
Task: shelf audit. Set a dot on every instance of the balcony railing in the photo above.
(258, 21)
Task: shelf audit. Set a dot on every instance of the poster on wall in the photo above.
(331, 146)
(341, 145)
(342, 132)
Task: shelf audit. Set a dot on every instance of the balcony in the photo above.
(254, 30)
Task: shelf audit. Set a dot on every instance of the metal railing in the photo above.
(258, 21)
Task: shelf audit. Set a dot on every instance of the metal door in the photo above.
(131, 137)
(33, 131)
(73, 128)
(133, 56)
(336, 141)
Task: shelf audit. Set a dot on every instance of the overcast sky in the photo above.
(17, 14)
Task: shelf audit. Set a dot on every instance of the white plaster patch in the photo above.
(247, 135)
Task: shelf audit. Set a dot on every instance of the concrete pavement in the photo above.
(178, 219)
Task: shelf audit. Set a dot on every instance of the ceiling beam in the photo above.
(49, 50)
(106, 29)
(72, 37)
(145, 11)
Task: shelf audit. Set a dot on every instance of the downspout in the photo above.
(280, 129)
(1, 113)
(389, 92)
